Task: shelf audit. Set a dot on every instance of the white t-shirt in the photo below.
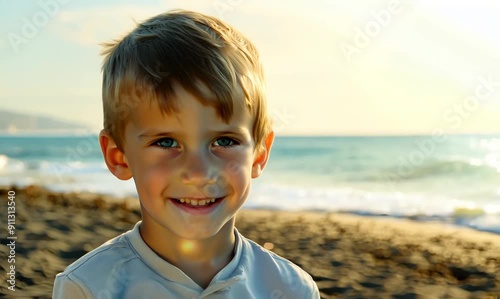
(125, 267)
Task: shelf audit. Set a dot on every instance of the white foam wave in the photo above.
(3, 161)
(9, 165)
(346, 199)
(490, 222)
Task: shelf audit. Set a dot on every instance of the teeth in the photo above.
(196, 202)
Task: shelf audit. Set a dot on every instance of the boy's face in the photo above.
(190, 155)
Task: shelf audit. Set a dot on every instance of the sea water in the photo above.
(453, 179)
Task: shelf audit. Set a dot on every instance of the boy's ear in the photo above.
(115, 159)
(262, 155)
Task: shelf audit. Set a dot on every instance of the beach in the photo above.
(348, 256)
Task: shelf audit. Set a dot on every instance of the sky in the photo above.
(332, 67)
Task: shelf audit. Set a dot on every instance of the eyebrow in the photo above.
(152, 133)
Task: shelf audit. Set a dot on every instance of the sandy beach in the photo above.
(348, 256)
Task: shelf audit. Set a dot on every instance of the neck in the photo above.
(200, 259)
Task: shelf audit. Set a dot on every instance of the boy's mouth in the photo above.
(197, 206)
(197, 202)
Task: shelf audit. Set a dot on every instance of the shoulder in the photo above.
(96, 270)
(283, 276)
(114, 251)
(259, 253)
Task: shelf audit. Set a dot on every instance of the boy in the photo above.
(185, 117)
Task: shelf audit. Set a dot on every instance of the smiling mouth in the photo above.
(197, 202)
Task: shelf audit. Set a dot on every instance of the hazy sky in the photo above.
(332, 67)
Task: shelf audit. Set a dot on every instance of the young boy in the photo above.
(185, 117)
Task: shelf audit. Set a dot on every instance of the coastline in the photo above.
(349, 256)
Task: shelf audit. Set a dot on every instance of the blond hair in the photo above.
(189, 48)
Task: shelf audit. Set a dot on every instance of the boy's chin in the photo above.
(198, 235)
(204, 232)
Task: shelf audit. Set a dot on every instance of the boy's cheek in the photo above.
(155, 172)
(148, 158)
(237, 167)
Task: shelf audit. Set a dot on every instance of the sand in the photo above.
(348, 256)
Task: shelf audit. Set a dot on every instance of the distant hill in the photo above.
(15, 122)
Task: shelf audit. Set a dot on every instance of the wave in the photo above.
(8, 165)
(451, 168)
(3, 161)
(347, 199)
(482, 215)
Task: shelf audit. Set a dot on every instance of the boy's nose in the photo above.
(198, 170)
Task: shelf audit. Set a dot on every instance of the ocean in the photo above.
(451, 179)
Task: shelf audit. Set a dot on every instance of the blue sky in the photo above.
(333, 67)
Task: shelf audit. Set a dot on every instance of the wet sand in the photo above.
(348, 256)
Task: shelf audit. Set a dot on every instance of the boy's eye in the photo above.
(225, 142)
(166, 143)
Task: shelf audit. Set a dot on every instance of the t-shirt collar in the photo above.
(229, 275)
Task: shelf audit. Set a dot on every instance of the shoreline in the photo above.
(349, 256)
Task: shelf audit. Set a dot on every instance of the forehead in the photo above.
(190, 111)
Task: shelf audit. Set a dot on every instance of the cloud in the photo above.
(96, 25)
